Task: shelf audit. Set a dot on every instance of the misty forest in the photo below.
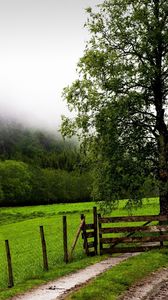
(37, 167)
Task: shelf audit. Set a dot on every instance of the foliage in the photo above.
(120, 98)
(15, 181)
(25, 185)
(37, 167)
(59, 186)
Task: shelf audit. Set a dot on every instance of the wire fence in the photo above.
(26, 248)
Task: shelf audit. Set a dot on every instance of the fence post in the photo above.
(9, 261)
(100, 235)
(95, 228)
(44, 249)
(65, 242)
(85, 243)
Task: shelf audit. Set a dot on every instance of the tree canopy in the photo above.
(121, 97)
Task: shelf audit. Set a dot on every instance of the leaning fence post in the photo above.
(65, 241)
(44, 249)
(76, 238)
(95, 228)
(9, 261)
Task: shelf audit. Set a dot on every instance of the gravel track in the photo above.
(59, 288)
(154, 287)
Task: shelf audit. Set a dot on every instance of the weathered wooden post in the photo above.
(44, 249)
(65, 240)
(95, 228)
(100, 235)
(9, 262)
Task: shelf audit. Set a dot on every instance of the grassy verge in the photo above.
(116, 281)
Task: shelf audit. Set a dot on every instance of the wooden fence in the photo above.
(130, 237)
(43, 251)
(90, 247)
(109, 235)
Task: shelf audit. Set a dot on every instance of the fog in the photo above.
(41, 43)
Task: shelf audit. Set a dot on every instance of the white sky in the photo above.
(41, 42)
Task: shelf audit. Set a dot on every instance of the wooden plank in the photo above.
(142, 239)
(65, 239)
(9, 262)
(129, 249)
(134, 219)
(90, 234)
(154, 228)
(89, 226)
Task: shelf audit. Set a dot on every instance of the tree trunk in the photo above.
(163, 174)
(163, 201)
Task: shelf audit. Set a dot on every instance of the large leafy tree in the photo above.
(121, 95)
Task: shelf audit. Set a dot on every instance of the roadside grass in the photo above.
(21, 227)
(113, 283)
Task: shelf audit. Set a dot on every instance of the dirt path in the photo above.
(56, 289)
(155, 287)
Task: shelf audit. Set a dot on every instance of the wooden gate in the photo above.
(90, 234)
(131, 234)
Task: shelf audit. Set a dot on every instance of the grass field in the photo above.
(21, 227)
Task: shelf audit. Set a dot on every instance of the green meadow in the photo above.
(21, 227)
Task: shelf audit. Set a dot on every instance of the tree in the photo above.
(121, 95)
(15, 182)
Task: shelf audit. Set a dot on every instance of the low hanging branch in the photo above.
(76, 237)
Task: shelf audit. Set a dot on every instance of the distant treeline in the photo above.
(38, 168)
(36, 147)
